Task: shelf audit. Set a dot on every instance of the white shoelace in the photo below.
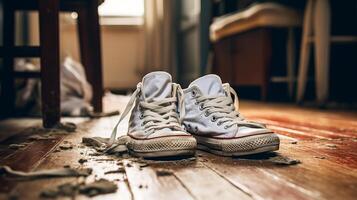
(155, 115)
(223, 110)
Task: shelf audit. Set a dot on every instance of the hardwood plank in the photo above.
(199, 179)
(250, 177)
(333, 181)
(326, 131)
(146, 184)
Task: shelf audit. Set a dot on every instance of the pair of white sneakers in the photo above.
(168, 121)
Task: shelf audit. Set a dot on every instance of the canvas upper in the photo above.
(210, 110)
(154, 107)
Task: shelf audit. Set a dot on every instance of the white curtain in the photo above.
(159, 36)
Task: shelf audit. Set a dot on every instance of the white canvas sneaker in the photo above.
(213, 118)
(154, 125)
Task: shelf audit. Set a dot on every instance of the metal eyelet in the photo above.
(142, 124)
(193, 93)
(196, 129)
(214, 119)
(206, 114)
(196, 103)
(188, 126)
(141, 116)
(201, 106)
(226, 127)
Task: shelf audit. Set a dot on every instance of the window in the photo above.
(122, 12)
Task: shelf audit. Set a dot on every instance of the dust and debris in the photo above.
(66, 166)
(142, 164)
(128, 165)
(163, 172)
(67, 126)
(41, 137)
(332, 146)
(95, 154)
(82, 160)
(66, 146)
(119, 170)
(39, 133)
(294, 142)
(203, 159)
(95, 188)
(320, 157)
(143, 186)
(101, 186)
(125, 155)
(17, 146)
(102, 114)
(59, 129)
(104, 159)
(282, 160)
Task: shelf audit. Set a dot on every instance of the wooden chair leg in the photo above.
(50, 61)
(322, 49)
(290, 54)
(305, 51)
(90, 47)
(8, 93)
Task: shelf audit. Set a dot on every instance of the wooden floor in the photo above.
(325, 141)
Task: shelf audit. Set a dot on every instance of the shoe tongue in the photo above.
(210, 85)
(156, 86)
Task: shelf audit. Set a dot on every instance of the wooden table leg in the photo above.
(50, 65)
(8, 93)
(90, 46)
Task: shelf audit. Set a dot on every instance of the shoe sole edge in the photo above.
(239, 146)
(163, 147)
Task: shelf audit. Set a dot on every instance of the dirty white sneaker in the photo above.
(213, 118)
(154, 125)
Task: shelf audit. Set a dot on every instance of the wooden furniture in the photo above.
(316, 31)
(242, 45)
(48, 52)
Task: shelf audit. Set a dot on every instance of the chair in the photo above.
(48, 52)
(316, 32)
(243, 48)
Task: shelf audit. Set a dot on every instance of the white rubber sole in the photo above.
(163, 153)
(239, 146)
(163, 147)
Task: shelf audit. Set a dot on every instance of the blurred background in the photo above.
(270, 50)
